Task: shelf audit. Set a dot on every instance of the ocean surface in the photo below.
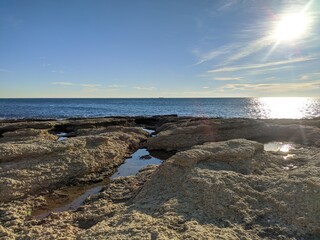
(204, 107)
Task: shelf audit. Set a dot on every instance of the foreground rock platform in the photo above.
(219, 184)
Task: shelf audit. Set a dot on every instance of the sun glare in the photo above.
(283, 107)
(291, 27)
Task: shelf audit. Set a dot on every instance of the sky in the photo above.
(153, 48)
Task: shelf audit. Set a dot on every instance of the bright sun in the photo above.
(291, 27)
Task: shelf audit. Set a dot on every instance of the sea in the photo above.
(256, 108)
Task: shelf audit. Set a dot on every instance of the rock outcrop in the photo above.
(220, 184)
(186, 133)
(33, 162)
(223, 190)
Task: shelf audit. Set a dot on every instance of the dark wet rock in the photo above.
(186, 133)
(146, 157)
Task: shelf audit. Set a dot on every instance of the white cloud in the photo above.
(305, 77)
(274, 87)
(228, 78)
(116, 86)
(90, 85)
(235, 51)
(205, 87)
(63, 83)
(250, 48)
(227, 4)
(310, 76)
(266, 70)
(205, 57)
(85, 85)
(145, 88)
(260, 65)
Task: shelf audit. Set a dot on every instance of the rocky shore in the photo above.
(221, 181)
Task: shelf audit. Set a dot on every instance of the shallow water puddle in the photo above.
(62, 136)
(138, 160)
(283, 149)
(150, 131)
(71, 198)
(278, 147)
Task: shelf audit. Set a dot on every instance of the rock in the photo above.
(146, 157)
(220, 184)
(234, 182)
(184, 134)
(40, 164)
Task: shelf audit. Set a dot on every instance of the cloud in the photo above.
(250, 48)
(85, 85)
(268, 70)
(305, 77)
(227, 4)
(63, 83)
(90, 85)
(242, 49)
(260, 65)
(310, 76)
(205, 57)
(274, 87)
(205, 87)
(116, 86)
(228, 78)
(145, 88)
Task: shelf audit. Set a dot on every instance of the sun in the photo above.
(291, 27)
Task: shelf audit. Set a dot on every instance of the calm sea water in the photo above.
(207, 107)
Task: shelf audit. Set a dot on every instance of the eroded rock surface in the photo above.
(220, 184)
(33, 159)
(186, 133)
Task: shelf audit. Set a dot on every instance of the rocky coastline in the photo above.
(219, 180)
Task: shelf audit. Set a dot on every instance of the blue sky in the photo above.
(149, 48)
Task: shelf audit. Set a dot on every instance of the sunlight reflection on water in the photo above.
(279, 107)
(284, 107)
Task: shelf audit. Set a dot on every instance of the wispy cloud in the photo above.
(64, 83)
(305, 77)
(85, 85)
(255, 41)
(208, 56)
(116, 86)
(90, 85)
(205, 87)
(145, 88)
(310, 76)
(260, 65)
(227, 4)
(261, 71)
(228, 78)
(250, 48)
(274, 87)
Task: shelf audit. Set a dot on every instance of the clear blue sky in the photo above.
(163, 48)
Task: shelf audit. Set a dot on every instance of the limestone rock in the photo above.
(41, 165)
